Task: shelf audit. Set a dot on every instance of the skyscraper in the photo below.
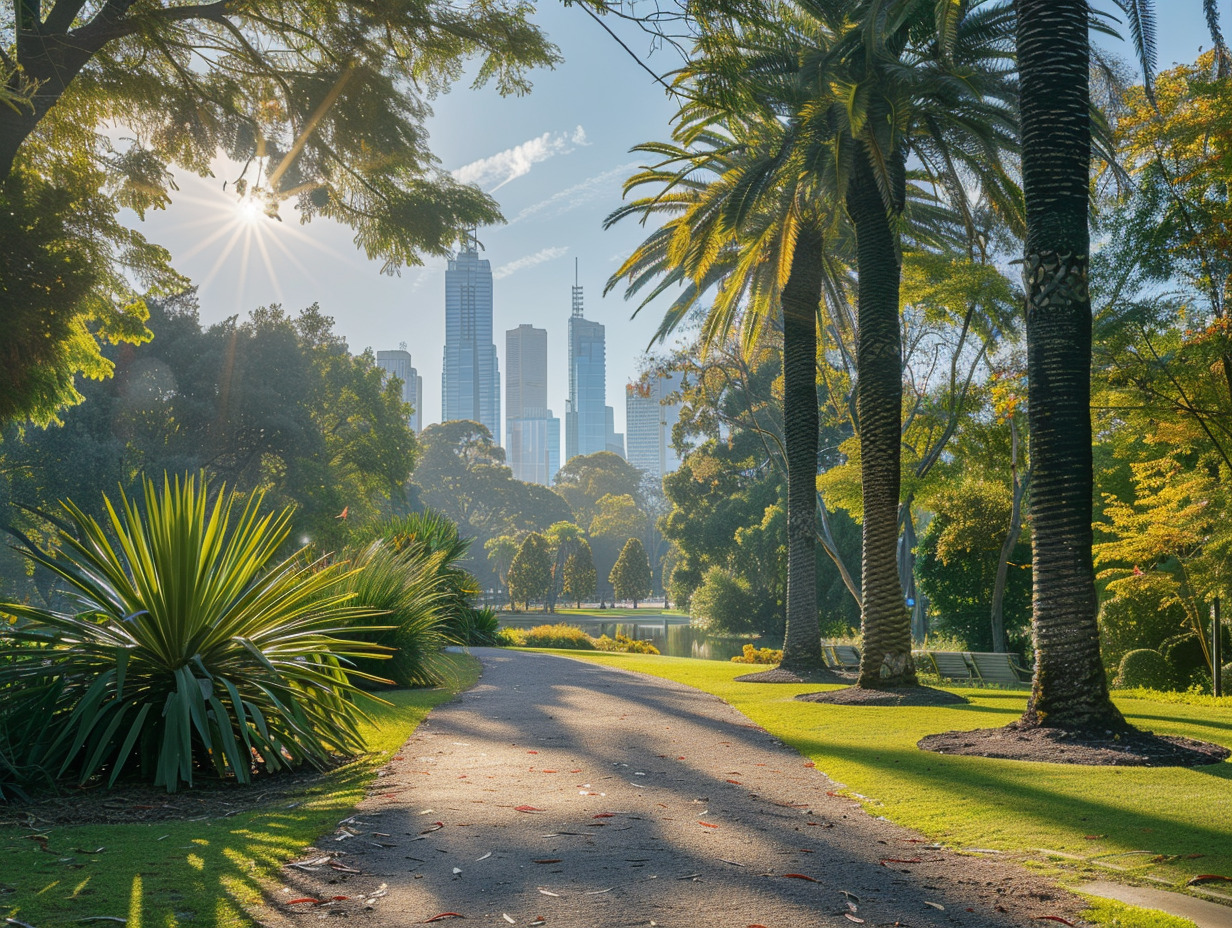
(398, 364)
(649, 419)
(586, 423)
(470, 378)
(532, 434)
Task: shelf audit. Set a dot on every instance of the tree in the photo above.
(563, 539)
(630, 577)
(323, 105)
(587, 478)
(1070, 688)
(530, 576)
(501, 551)
(579, 574)
(617, 518)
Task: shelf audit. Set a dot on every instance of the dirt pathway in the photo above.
(577, 796)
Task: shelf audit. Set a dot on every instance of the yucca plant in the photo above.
(424, 534)
(191, 645)
(406, 588)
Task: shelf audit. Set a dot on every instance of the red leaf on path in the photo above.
(339, 898)
(547, 771)
(798, 876)
(1053, 918)
(579, 770)
(532, 752)
(528, 809)
(605, 815)
(737, 782)
(809, 764)
(899, 860)
(707, 825)
(437, 918)
(305, 899)
(1208, 878)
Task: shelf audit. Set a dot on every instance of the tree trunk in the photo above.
(1070, 689)
(886, 625)
(1017, 487)
(801, 302)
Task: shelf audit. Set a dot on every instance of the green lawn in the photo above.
(168, 874)
(1166, 822)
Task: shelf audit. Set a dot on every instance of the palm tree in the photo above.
(745, 222)
(1070, 687)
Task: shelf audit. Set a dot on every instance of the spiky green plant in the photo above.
(423, 534)
(191, 645)
(406, 587)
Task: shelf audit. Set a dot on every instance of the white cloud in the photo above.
(589, 190)
(512, 163)
(547, 254)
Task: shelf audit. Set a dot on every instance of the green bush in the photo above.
(423, 534)
(405, 589)
(192, 646)
(624, 643)
(1187, 660)
(557, 636)
(1143, 612)
(511, 638)
(480, 627)
(1143, 668)
(721, 605)
(754, 655)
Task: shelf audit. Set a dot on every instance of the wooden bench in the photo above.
(1000, 669)
(840, 656)
(949, 665)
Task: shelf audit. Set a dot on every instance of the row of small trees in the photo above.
(537, 574)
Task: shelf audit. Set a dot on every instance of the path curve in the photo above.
(580, 796)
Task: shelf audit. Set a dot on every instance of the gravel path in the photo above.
(577, 796)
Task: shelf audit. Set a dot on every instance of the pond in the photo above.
(672, 635)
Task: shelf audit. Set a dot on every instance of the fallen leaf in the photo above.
(507, 917)
(936, 905)
(304, 899)
(737, 782)
(605, 815)
(532, 752)
(484, 857)
(598, 892)
(855, 918)
(437, 918)
(798, 876)
(548, 892)
(457, 871)
(809, 764)
(549, 771)
(1208, 878)
(342, 868)
(538, 921)
(899, 860)
(435, 826)
(97, 850)
(707, 825)
(528, 809)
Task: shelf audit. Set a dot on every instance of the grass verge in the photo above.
(197, 872)
(1167, 824)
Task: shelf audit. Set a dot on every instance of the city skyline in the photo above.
(470, 371)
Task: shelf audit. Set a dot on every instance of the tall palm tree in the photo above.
(1070, 687)
(745, 222)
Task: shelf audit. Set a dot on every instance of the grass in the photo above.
(1169, 823)
(182, 873)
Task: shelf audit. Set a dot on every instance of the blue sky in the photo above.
(554, 160)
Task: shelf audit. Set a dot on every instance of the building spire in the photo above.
(577, 290)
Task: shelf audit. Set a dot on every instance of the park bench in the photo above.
(1000, 669)
(840, 656)
(949, 665)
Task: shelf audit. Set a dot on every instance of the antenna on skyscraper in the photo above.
(577, 290)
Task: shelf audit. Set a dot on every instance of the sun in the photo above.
(249, 210)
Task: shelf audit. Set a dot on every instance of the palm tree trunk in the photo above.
(885, 622)
(1070, 689)
(801, 301)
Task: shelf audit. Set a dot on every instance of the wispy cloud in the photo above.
(547, 254)
(512, 163)
(589, 190)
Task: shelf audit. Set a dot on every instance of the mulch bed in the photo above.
(135, 803)
(1094, 749)
(898, 696)
(780, 675)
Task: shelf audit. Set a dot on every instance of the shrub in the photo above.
(405, 588)
(624, 643)
(1143, 612)
(422, 534)
(557, 636)
(754, 655)
(511, 638)
(192, 645)
(1143, 668)
(480, 627)
(1187, 660)
(721, 604)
